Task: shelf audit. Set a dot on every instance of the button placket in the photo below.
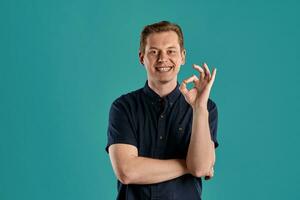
(161, 128)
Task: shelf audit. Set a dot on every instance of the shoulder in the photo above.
(128, 101)
(129, 97)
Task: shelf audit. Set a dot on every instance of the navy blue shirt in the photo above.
(160, 128)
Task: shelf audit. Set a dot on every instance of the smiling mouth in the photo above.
(164, 69)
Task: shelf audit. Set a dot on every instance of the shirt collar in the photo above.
(171, 98)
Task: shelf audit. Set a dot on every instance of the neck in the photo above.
(162, 89)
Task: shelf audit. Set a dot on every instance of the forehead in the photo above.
(162, 40)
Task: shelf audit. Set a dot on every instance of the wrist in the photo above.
(200, 104)
(200, 109)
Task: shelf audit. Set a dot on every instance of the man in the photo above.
(162, 137)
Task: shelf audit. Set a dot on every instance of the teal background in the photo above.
(63, 62)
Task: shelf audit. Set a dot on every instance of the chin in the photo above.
(165, 81)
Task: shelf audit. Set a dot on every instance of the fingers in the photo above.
(210, 77)
(191, 79)
(205, 76)
(213, 76)
(207, 72)
(203, 71)
(183, 88)
(200, 70)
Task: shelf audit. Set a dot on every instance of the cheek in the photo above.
(150, 59)
(147, 61)
(178, 62)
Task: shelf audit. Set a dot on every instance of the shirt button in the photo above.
(161, 137)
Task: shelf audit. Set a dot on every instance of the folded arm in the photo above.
(133, 169)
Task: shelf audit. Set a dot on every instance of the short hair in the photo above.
(162, 26)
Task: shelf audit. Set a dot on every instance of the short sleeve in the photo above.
(120, 125)
(213, 121)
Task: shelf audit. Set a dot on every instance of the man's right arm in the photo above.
(133, 169)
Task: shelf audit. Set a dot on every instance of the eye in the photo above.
(171, 51)
(153, 52)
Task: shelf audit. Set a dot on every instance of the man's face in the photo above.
(163, 57)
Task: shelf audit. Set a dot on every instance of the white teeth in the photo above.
(164, 69)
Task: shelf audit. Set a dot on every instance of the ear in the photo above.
(183, 53)
(141, 57)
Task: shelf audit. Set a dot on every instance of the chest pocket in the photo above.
(182, 133)
(180, 140)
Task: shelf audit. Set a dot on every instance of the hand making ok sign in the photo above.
(199, 94)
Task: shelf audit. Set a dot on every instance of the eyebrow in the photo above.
(170, 47)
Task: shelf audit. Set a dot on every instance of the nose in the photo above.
(162, 57)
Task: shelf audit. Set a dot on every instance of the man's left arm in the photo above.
(201, 152)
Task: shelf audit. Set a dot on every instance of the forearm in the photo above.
(143, 170)
(201, 153)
